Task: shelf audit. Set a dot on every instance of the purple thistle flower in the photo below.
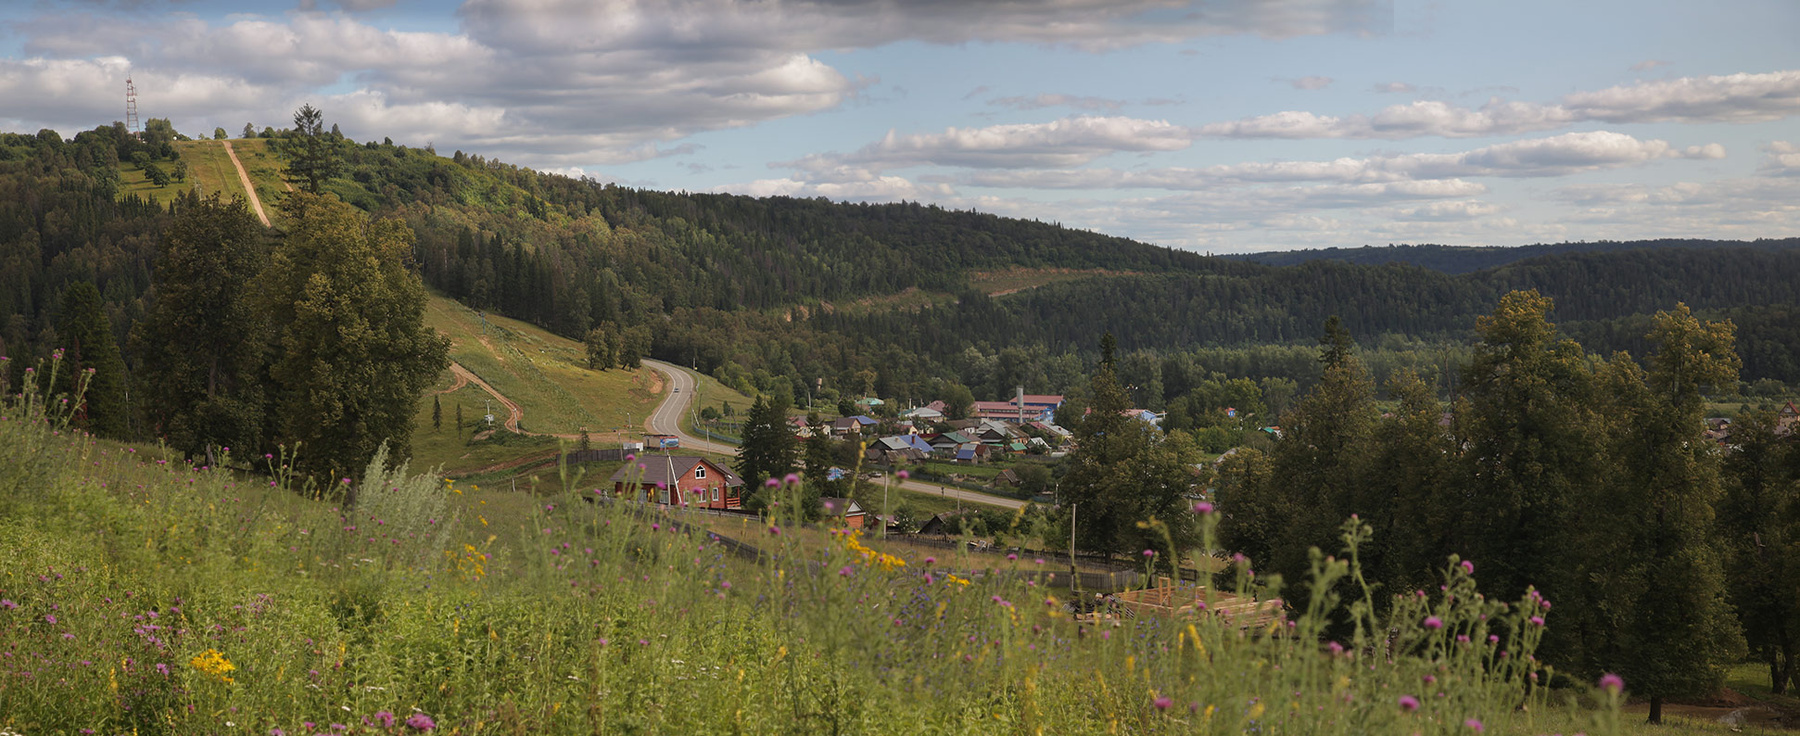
(1335, 647)
(420, 721)
(1475, 724)
(771, 483)
(1203, 508)
(931, 560)
(1149, 553)
(1537, 620)
(384, 718)
(903, 475)
(792, 479)
(1468, 567)
(1163, 703)
(50, 618)
(1612, 683)
(8, 605)
(1434, 623)
(1409, 703)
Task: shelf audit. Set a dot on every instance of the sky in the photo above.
(1216, 126)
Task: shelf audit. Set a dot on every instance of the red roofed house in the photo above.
(1025, 408)
(680, 480)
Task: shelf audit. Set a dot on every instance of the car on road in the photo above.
(677, 389)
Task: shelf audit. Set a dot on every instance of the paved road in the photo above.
(667, 417)
(667, 420)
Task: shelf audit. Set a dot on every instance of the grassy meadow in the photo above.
(141, 595)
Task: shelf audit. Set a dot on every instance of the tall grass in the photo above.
(147, 597)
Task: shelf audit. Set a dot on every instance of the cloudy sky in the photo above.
(1213, 125)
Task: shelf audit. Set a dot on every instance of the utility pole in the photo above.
(1074, 573)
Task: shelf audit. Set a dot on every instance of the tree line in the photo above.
(1588, 479)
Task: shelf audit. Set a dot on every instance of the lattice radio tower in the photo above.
(131, 120)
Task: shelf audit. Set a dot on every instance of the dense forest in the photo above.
(783, 295)
(1456, 259)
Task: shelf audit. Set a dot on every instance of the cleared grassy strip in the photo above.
(210, 169)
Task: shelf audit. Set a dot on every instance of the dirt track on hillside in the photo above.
(250, 189)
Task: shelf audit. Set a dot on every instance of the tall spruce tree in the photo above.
(769, 449)
(312, 160)
(352, 352)
(88, 344)
(202, 344)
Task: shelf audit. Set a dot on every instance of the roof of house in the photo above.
(837, 506)
(923, 411)
(965, 453)
(903, 442)
(956, 438)
(659, 469)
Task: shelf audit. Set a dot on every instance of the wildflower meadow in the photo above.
(142, 595)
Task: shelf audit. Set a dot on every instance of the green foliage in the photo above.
(1592, 482)
(769, 449)
(1759, 530)
(577, 617)
(88, 335)
(202, 346)
(312, 160)
(1129, 486)
(351, 352)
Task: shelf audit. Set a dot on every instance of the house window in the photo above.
(699, 472)
(715, 493)
(664, 495)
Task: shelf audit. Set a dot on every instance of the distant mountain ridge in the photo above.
(1460, 259)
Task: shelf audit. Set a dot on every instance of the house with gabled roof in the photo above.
(679, 480)
(852, 425)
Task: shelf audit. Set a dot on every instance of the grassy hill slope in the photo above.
(546, 375)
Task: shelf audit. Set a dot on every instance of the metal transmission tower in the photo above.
(131, 119)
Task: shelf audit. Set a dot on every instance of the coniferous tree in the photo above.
(202, 343)
(312, 160)
(88, 339)
(352, 351)
(768, 449)
(437, 414)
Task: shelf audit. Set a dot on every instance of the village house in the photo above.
(1787, 419)
(946, 443)
(679, 480)
(845, 511)
(898, 450)
(845, 426)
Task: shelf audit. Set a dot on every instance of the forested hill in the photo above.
(778, 293)
(1457, 259)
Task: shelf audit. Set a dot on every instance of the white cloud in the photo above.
(1782, 159)
(1736, 98)
(1648, 64)
(1069, 141)
(1542, 157)
(1310, 83)
(1401, 88)
(603, 77)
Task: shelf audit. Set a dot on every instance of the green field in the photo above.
(546, 375)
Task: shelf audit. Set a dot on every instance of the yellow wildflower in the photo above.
(213, 663)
